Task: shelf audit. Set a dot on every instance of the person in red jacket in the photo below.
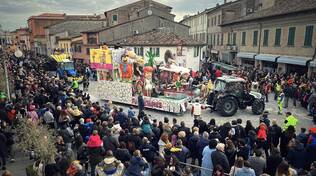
(218, 73)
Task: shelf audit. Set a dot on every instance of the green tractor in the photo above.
(230, 94)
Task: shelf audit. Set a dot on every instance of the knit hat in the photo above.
(94, 141)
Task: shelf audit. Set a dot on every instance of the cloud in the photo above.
(14, 13)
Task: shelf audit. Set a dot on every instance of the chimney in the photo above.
(225, 1)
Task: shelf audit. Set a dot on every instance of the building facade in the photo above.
(22, 38)
(137, 10)
(281, 38)
(198, 29)
(68, 29)
(36, 26)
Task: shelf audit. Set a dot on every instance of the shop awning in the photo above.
(246, 55)
(266, 57)
(312, 63)
(224, 66)
(295, 60)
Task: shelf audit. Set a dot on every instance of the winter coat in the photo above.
(136, 166)
(272, 164)
(192, 145)
(296, 156)
(95, 155)
(274, 135)
(148, 151)
(262, 132)
(243, 152)
(202, 143)
(207, 161)
(258, 164)
(219, 158)
(109, 143)
(182, 153)
(123, 155)
(231, 156)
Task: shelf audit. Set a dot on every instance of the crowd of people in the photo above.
(93, 138)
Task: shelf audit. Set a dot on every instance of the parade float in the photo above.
(123, 76)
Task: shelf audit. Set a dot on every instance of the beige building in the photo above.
(198, 28)
(280, 38)
(137, 10)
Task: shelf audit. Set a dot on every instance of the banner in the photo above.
(101, 59)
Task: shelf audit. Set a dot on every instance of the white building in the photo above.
(185, 51)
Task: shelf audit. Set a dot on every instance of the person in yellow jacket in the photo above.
(277, 90)
(290, 120)
(280, 103)
(75, 85)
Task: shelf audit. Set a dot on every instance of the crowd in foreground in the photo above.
(103, 139)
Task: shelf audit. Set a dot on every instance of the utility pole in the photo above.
(7, 80)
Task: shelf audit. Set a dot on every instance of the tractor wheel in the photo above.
(258, 107)
(227, 106)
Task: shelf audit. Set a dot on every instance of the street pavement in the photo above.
(300, 112)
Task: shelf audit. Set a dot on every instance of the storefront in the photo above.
(293, 64)
(267, 62)
(246, 61)
(312, 68)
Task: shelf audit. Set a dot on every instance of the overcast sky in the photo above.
(14, 13)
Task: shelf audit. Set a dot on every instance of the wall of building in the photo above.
(131, 11)
(300, 22)
(187, 58)
(141, 26)
(198, 26)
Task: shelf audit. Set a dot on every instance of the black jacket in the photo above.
(95, 155)
(219, 158)
(272, 164)
(296, 156)
(123, 155)
(148, 151)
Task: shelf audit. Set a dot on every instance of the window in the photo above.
(291, 37)
(212, 21)
(277, 41)
(77, 48)
(222, 39)
(243, 39)
(211, 38)
(219, 19)
(217, 39)
(92, 39)
(215, 21)
(265, 37)
(255, 38)
(88, 51)
(308, 36)
(155, 51)
(234, 38)
(196, 51)
(114, 18)
(139, 51)
(228, 40)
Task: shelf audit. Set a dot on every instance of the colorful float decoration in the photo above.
(165, 87)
